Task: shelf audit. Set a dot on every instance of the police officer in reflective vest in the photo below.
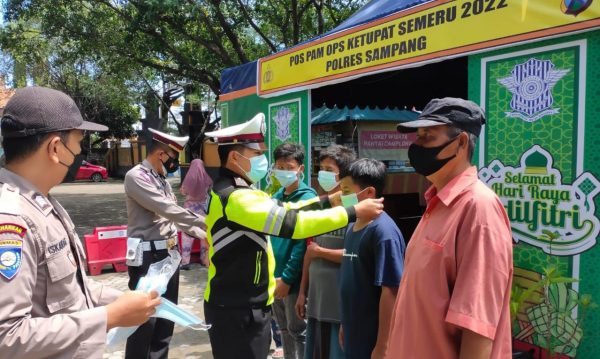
(153, 218)
(240, 218)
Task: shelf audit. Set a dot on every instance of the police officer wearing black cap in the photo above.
(48, 306)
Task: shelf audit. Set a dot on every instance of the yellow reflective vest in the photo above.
(239, 222)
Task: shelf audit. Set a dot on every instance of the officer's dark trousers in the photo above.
(151, 340)
(239, 333)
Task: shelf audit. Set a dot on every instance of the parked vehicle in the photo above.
(88, 171)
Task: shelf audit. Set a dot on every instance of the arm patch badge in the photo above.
(11, 248)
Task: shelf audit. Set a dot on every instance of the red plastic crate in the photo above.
(106, 246)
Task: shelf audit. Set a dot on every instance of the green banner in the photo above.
(533, 155)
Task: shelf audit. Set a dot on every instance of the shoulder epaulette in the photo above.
(10, 200)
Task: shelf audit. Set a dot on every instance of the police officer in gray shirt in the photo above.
(48, 306)
(153, 218)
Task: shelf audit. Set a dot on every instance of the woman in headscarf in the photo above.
(195, 187)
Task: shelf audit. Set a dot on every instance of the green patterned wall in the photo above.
(590, 260)
(508, 138)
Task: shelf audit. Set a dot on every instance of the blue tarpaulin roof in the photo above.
(324, 115)
(244, 76)
(374, 10)
(239, 77)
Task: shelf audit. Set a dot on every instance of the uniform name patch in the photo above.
(11, 248)
(57, 247)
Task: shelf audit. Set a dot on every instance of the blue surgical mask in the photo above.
(166, 310)
(259, 167)
(171, 311)
(157, 279)
(327, 180)
(349, 200)
(119, 335)
(285, 178)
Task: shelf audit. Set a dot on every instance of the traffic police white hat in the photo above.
(174, 142)
(250, 133)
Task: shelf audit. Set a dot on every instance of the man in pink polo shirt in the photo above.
(453, 300)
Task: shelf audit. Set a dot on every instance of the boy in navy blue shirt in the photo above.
(372, 266)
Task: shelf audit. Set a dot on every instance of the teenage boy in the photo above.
(372, 266)
(322, 267)
(289, 254)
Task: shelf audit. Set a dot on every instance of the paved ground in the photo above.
(93, 205)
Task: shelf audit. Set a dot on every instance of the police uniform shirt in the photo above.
(152, 209)
(48, 306)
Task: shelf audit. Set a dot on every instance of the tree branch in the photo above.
(201, 76)
(255, 27)
(213, 46)
(237, 47)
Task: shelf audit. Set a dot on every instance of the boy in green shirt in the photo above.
(289, 254)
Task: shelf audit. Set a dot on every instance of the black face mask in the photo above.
(171, 165)
(73, 168)
(424, 159)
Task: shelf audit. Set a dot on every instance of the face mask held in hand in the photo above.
(157, 278)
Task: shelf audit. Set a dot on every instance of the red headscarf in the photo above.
(196, 183)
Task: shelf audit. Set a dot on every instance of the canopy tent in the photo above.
(324, 115)
(387, 35)
(376, 9)
(391, 34)
(243, 77)
(238, 81)
(506, 56)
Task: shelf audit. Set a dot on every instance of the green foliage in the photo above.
(287, 23)
(188, 42)
(110, 54)
(102, 95)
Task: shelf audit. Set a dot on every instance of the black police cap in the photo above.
(42, 110)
